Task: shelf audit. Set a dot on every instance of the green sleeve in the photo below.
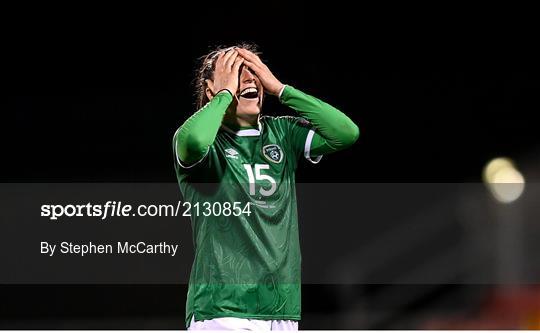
(192, 140)
(334, 131)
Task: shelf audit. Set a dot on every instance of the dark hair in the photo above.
(207, 65)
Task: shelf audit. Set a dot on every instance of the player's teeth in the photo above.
(249, 90)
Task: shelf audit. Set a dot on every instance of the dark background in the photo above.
(95, 94)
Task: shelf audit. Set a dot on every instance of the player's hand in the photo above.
(270, 83)
(226, 72)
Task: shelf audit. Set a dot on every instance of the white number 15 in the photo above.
(258, 176)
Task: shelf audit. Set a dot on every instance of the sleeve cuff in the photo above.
(307, 149)
(189, 166)
(177, 157)
(222, 91)
(281, 91)
(284, 93)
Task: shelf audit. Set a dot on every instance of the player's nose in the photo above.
(247, 76)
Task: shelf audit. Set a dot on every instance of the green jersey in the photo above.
(247, 262)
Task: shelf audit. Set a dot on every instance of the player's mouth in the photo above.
(250, 93)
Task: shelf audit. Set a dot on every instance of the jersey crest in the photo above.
(273, 153)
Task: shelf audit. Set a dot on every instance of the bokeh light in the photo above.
(503, 180)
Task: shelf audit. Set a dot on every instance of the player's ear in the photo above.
(209, 91)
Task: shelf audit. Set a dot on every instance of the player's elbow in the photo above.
(195, 144)
(350, 134)
(190, 147)
(355, 133)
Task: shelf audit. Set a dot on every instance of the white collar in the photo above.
(245, 132)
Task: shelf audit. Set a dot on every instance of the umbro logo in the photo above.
(231, 153)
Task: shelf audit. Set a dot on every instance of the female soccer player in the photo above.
(246, 271)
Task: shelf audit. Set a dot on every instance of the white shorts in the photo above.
(237, 324)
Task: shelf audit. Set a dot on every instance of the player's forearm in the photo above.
(195, 136)
(337, 130)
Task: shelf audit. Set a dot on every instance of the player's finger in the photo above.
(254, 67)
(219, 60)
(230, 61)
(227, 55)
(250, 56)
(237, 63)
(246, 54)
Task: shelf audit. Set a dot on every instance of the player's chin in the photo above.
(249, 107)
(249, 111)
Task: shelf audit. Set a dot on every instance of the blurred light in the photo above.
(503, 180)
